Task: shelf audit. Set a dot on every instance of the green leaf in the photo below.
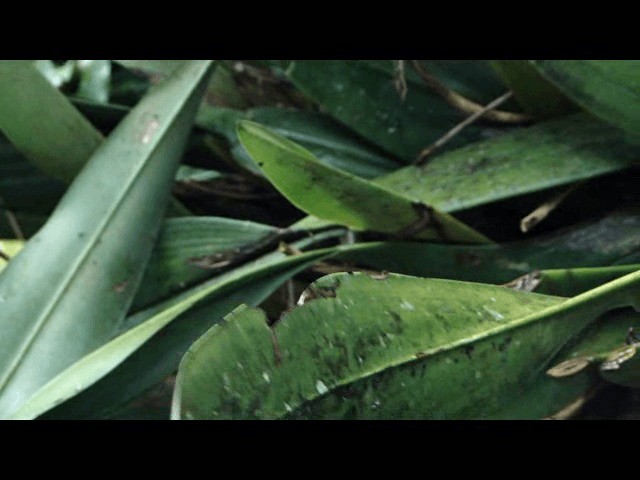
(41, 122)
(87, 261)
(337, 196)
(226, 240)
(554, 153)
(222, 89)
(389, 348)
(251, 283)
(537, 96)
(609, 89)
(329, 141)
(158, 67)
(364, 98)
(171, 268)
(573, 281)
(23, 187)
(611, 240)
(93, 367)
(473, 79)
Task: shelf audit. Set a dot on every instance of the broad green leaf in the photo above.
(100, 362)
(329, 141)
(554, 153)
(225, 242)
(364, 98)
(41, 122)
(251, 283)
(611, 240)
(87, 261)
(609, 89)
(337, 196)
(537, 95)
(389, 348)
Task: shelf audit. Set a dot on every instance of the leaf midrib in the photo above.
(81, 259)
(509, 326)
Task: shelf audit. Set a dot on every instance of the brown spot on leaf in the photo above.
(525, 283)
(277, 355)
(383, 275)
(569, 367)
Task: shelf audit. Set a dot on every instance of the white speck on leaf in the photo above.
(321, 387)
(407, 306)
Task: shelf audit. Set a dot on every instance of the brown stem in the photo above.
(464, 104)
(461, 126)
(541, 212)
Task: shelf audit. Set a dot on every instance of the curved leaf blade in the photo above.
(337, 196)
(553, 153)
(329, 141)
(96, 243)
(387, 348)
(535, 94)
(611, 240)
(203, 306)
(29, 104)
(609, 89)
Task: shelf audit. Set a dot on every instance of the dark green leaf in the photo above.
(337, 196)
(364, 98)
(609, 89)
(87, 261)
(362, 347)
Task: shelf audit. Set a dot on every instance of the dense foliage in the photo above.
(317, 239)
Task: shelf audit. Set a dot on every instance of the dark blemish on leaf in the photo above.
(379, 276)
(261, 164)
(420, 355)
(234, 256)
(569, 367)
(468, 350)
(276, 348)
(525, 283)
